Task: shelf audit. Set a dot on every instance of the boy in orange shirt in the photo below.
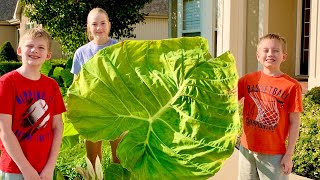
(271, 115)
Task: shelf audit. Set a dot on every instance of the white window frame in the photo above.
(298, 38)
(30, 25)
(208, 23)
(181, 31)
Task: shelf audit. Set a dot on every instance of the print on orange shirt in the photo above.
(267, 100)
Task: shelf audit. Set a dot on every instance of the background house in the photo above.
(227, 24)
(8, 25)
(156, 24)
(237, 25)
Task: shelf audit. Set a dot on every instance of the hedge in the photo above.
(7, 66)
(306, 159)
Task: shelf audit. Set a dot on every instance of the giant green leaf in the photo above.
(178, 105)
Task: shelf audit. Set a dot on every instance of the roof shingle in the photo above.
(7, 8)
(157, 7)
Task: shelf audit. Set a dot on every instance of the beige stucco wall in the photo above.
(8, 33)
(282, 20)
(252, 36)
(271, 16)
(56, 49)
(23, 21)
(155, 27)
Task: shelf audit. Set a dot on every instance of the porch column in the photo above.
(231, 35)
(314, 57)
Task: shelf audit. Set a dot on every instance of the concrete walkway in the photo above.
(229, 170)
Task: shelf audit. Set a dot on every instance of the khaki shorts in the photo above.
(256, 166)
(10, 176)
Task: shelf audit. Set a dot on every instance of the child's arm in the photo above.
(293, 131)
(57, 127)
(292, 140)
(12, 146)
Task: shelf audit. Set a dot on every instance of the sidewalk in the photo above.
(229, 170)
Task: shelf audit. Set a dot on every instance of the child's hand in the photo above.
(31, 174)
(287, 164)
(46, 174)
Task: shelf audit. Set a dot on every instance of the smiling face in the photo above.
(34, 51)
(270, 54)
(98, 27)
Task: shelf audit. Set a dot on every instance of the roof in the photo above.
(157, 7)
(7, 8)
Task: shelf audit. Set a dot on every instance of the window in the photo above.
(196, 18)
(305, 32)
(191, 18)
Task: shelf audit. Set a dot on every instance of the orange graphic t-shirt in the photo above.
(268, 100)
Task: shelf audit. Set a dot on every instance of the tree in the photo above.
(66, 19)
(7, 52)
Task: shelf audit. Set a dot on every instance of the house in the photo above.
(237, 25)
(227, 24)
(13, 23)
(156, 24)
(8, 25)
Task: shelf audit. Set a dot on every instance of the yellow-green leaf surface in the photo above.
(177, 103)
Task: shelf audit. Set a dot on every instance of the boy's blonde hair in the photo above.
(92, 12)
(281, 39)
(36, 33)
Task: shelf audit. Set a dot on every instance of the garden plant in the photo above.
(161, 93)
(7, 52)
(306, 159)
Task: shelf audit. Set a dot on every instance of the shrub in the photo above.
(6, 66)
(47, 68)
(59, 69)
(307, 152)
(7, 52)
(314, 94)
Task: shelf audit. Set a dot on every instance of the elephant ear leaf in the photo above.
(177, 105)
